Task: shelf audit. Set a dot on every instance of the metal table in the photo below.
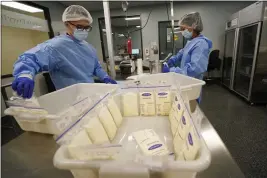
(31, 156)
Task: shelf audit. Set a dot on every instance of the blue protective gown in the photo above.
(67, 60)
(194, 57)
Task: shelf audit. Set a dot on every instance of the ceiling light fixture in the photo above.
(132, 18)
(20, 6)
(138, 26)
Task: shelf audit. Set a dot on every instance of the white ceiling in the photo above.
(98, 5)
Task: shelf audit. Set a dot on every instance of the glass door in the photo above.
(228, 57)
(245, 56)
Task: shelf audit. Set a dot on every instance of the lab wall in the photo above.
(56, 9)
(214, 15)
(15, 41)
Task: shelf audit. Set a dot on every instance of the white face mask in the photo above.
(187, 34)
(80, 35)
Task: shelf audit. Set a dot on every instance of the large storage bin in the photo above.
(169, 168)
(79, 97)
(189, 86)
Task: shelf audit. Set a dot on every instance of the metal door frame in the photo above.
(254, 59)
(232, 77)
(235, 30)
(168, 21)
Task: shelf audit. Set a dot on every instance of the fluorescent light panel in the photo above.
(132, 18)
(23, 7)
(138, 26)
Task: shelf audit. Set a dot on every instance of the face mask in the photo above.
(187, 34)
(80, 35)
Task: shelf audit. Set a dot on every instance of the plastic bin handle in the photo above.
(30, 117)
(9, 112)
(61, 162)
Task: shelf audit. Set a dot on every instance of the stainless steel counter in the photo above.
(31, 154)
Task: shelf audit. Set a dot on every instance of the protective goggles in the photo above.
(82, 28)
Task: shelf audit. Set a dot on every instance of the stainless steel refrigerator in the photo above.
(231, 38)
(248, 76)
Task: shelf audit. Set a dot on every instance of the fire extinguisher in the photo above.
(129, 46)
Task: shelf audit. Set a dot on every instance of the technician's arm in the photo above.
(33, 61)
(99, 72)
(176, 58)
(198, 63)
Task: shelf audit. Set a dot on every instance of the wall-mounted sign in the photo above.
(13, 19)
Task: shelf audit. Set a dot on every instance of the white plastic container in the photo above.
(188, 85)
(148, 167)
(79, 97)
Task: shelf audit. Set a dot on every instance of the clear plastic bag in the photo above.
(130, 101)
(26, 109)
(163, 101)
(147, 102)
(72, 129)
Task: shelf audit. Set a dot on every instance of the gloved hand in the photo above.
(109, 80)
(23, 86)
(171, 61)
(165, 68)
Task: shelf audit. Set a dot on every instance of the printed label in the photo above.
(154, 146)
(146, 94)
(162, 94)
(190, 140)
(183, 120)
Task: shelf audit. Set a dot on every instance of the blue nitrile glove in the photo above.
(171, 61)
(23, 86)
(165, 68)
(109, 80)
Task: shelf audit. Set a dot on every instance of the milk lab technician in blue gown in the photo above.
(68, 58)
(194, 57)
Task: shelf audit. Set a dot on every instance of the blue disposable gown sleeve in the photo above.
(198, 63)
(176, 58)
(99, 71)
(38, 59)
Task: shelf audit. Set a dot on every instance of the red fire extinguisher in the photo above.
(129, 45)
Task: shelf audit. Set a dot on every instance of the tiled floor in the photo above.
(10, 129)
(242, 127)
